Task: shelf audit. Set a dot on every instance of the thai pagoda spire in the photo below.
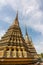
(16, 16)
(16, 22)
(29, 43)
(26, 35)
(26, 31)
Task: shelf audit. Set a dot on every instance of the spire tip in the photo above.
(26, 30)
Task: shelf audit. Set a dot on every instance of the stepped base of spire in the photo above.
(17, 61)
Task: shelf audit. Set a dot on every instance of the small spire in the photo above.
(26, 30)
(26, 35)
(30, 39)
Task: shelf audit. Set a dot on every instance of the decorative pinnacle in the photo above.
(26, 30)
(16, 16)
(16, 22)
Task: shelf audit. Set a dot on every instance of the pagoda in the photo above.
(30, 45)
(14, 49)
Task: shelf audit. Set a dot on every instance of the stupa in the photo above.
(14, 49)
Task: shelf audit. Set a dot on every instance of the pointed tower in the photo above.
(16, 20)
(26, 35)
(30, 45)
(13, 49)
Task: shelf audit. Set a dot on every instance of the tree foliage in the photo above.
(42, 55)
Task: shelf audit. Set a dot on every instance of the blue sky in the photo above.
(30, 12)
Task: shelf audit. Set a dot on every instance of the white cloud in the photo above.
(7, 19)
(26, 6)
(39, 47)
(36, 22)
(2, 3)
(2, 32)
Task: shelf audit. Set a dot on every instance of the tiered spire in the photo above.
(30, 44)
(15, 42)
